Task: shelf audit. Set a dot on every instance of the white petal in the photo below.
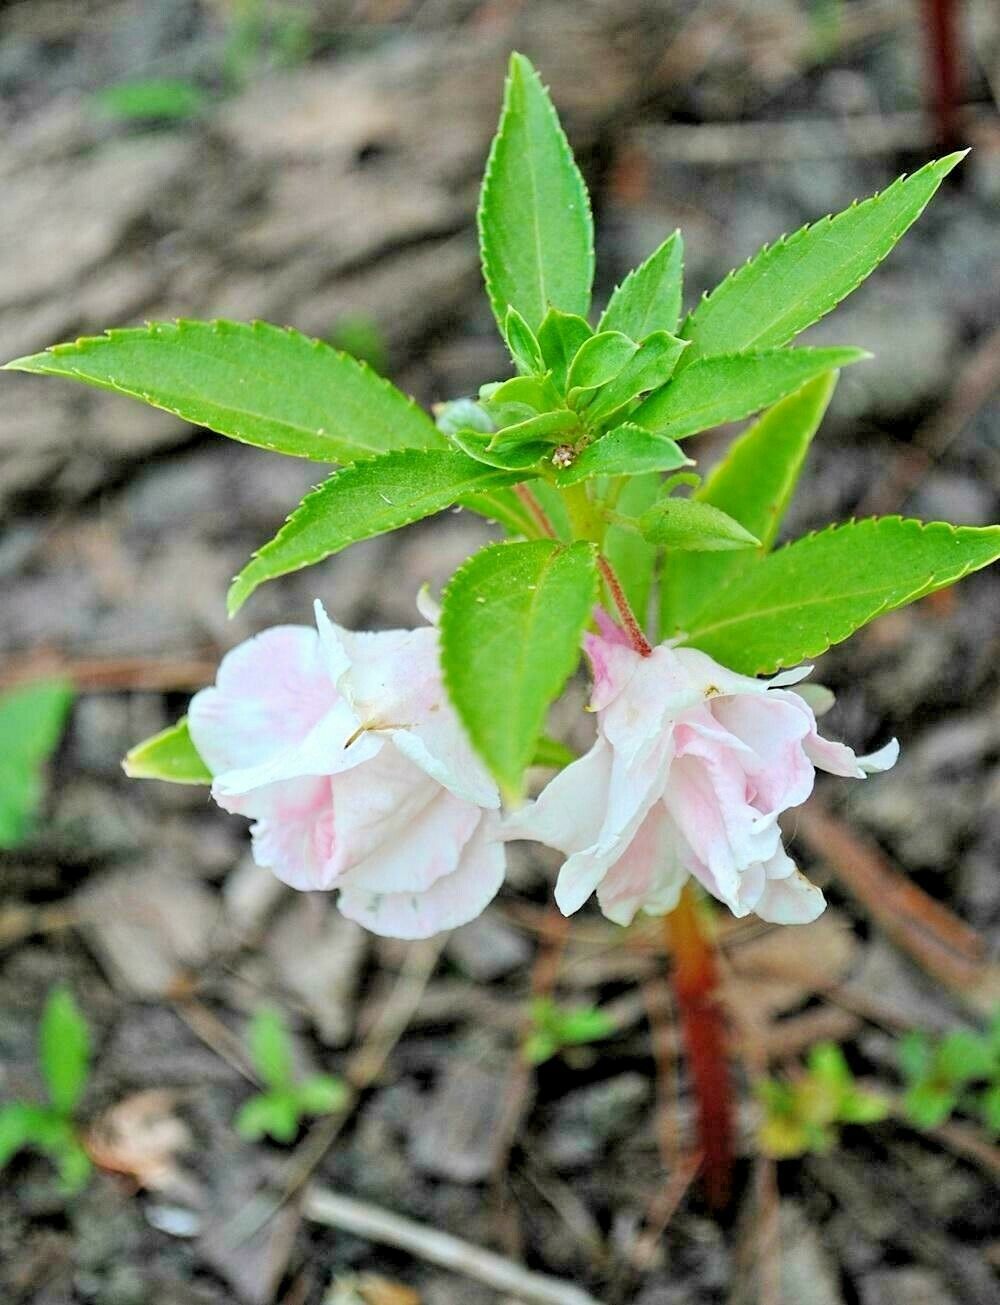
(448, 903)
(791, 900)
(792, 676)
(428, 607)
(884, 759)
(429, 847)
(649, 875)
(570, 810)
(817, 697)
(269, 694)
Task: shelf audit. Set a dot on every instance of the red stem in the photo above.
(632, 628)
(703, 1031)
(535, 510)
(940, 21)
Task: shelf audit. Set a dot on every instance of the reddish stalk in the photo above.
(940, 23)
(632, 628)
(703, 1031)
(534, 510)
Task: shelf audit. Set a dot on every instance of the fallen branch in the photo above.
(435, 1247)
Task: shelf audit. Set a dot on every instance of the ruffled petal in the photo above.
(791, 899)
(426, 849)
(839, 759)
(451, 901)
(269, 694)
(294, 834)
(773, 730)
(650, 873)
(571, 809)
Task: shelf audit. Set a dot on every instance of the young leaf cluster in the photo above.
(64, 1060)
(578, 453)
(554, 1028)
(803, 1115)
(959, 1071)
(279, 1109)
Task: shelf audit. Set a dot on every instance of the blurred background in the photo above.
(316, 164)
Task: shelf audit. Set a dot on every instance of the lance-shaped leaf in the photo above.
(522, 344)
(536, 234)
(717, 390)
(815, 592)
(791, 284)
(560, 338)
(628, 450)
(503, 507)
(632, 557)
(260, 384)
(169, 755)
(511, 622)
(362, 500)
(523, 455)
(649, 299)
(685, 524)
(31, 721)
(754, 484)
(651, 366)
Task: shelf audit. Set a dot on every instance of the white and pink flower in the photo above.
(344, 751)
(691, 769)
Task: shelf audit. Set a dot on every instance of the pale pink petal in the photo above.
(612, 665)
(839, 759)
(785, 678)
(609, 629)
(817, 697)
(439, 746)
(790, 900)
(448, 903)
(773, 732)
(376, 803)
(294, 835)
(270, 692)
(427, 848)
(658, 692)
(650, 873)
(570, 811)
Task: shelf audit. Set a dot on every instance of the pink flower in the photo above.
(692, 766)
(344, 750)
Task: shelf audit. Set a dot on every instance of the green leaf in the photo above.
(791, 284)
(511, 622)
(31, 722)
(552, 753)
(686, 524)
(270, 1049)
(503, 507)
(815, 592)
(553, 505)
(754, 484)
(321, 1095)
(717, 390)
(536, 235)
(362, 500)
(962, 1057)
(927, 1104)
(169, 755)
(632, 557)
(546, 426)
(560, 338)
(63, 1050)
(516, 456)
(989, 1108)
(649, 299)
(260, 384)
(628, 450)
(152, 99)
(20, 1124)
(650, 367)
(858, 1107)
(599, 361)
(522, 344)
(462, 414)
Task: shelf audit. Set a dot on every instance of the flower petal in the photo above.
(294, 834)
(427, 848)
(451, 901)
(650, 873)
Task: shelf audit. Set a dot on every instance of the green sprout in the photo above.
(960, 1070)
(802, 1116)
(31, 723)
(64, 1058)
(554, 1028)
(278, 1110)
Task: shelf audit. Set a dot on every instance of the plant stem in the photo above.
(632, 628)
(703, 1031)
(535, 510)
(587, 518)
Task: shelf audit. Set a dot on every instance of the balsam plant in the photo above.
(31, 724)
(278, 1111)
(554, 1028)
(64, 1059)
(802, 1116)
(959, 1071)
(569, 454)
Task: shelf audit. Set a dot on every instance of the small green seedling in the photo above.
(802, 1116)
(31, 723)
(278, 1111)
(152, 100)
(958, 1071)
(553, 1028)
(64, 1057)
